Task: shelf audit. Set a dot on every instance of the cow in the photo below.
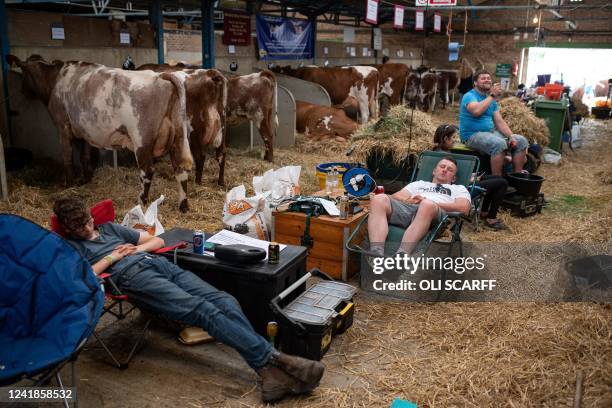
(323, 122)
(111, 107)
(412, 90)
(392, 82)
(359, 82)
(206, 92)
(447, 83)
(428, 89)
(253, 97)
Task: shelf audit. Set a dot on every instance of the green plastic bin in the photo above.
(553, 112)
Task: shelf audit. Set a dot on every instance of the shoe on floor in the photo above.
(498, 225)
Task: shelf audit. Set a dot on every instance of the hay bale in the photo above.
(392, 135)
(523, 121)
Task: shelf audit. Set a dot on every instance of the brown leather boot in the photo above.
(276, 384)
(309, 372)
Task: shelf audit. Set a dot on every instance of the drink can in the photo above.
(379, 190)
(273, 253)
(198, 242)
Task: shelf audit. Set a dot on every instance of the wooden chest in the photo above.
(329, 235)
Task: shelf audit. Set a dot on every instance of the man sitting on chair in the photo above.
(416, 207)
(161, 287)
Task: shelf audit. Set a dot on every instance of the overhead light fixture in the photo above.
(535, 20)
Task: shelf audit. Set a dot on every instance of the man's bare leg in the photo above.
(518, 160)
(427, 212)
(497, 164)
(378, 228)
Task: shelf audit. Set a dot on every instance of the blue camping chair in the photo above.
(50, 303)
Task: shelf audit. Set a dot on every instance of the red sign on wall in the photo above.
(236, 28)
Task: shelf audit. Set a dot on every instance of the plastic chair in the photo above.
(117, 303)
(50, 303)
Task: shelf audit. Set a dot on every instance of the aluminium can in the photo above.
(198, 242)
(273, 253)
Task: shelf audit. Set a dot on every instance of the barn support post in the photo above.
(156, 18)
(313, 39)
(208, 34)
(4, 50)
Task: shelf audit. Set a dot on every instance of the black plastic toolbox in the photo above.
(253, 285)
(308, 322)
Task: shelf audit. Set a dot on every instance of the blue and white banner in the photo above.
(284, 38)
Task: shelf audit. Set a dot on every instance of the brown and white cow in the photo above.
(206, 93)
(447, 83)
(359, 82)
(253, 97)
(392, 83)
(110, 107)
(323, 122)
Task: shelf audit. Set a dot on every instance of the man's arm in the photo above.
(461, 205)
(478, 108)
(501, 125)
(148, 243)
(402, 195)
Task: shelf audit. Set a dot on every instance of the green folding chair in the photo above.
(467, 165)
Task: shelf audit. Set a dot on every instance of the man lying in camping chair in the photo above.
(416, 207)
(161, 287)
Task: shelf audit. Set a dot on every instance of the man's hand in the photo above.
(496, 90)
(414, 199)
(511, 143)
(123, 250)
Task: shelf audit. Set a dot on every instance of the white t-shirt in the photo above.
(438, 193)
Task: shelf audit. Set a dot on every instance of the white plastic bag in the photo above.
(146, 221)
(551, 157)
(576, 138)
(244, 215)
(277, 186)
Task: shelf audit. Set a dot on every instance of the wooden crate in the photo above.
(329, 235)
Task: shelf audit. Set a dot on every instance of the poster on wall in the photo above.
(349, 34)
(236, 28)
(284, 38)
(398, 16)
(57, 31)
(371, 11)
(377, 39)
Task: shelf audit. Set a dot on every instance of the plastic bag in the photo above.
(244, 215)
(277, 186)
(551, 157)
(146, 221)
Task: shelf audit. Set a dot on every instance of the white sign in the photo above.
(349, 34)
(385, 52)
(398, 17)
(364, 52)
(377, 42)
(124, 38)
(371, 11)
(353, 52)
(231, 49)
(419, 19)
(437, 23)
(325, 50)
(400, 53)
(57, 32)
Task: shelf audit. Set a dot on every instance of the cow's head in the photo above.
(39, 76)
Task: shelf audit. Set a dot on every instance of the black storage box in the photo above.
(253, 285)
(522, 206)
(308, 323)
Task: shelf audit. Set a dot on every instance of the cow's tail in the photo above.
(179, 115)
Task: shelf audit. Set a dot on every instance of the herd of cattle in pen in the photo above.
(183, 110)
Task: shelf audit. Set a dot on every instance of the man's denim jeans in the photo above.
(164, 289)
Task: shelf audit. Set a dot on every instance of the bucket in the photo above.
(527, 185)
(324, 168)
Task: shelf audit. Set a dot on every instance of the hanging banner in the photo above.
(236, 28)
(398, 17)
(430, 3)
(371, 11)
(437, 22)
(419, 20)
(284, 38)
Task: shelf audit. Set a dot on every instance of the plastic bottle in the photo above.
(328, 183)
(334, 179)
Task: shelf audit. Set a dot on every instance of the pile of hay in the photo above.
(581, 108)
(523, 121)
(391, 135)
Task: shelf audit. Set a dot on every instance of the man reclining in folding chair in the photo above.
(161, 287)
(416, 207)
